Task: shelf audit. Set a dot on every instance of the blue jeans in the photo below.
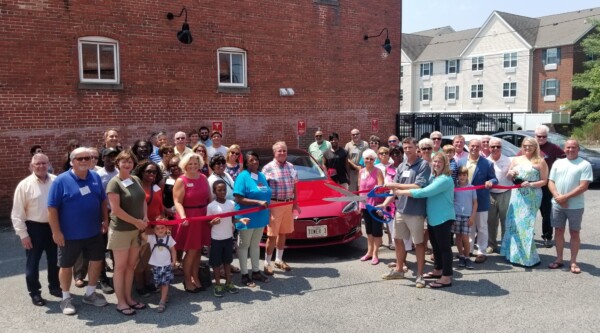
(41, 239)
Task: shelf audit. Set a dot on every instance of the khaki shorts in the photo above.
(119, 240)
(282, 221)
(407, 226)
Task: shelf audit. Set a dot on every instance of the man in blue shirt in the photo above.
(76, 204)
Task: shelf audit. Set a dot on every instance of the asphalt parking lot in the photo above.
(329, 289)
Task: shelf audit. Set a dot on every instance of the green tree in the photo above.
(587, 109)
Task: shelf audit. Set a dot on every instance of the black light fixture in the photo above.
(184, 36)
(387, 46)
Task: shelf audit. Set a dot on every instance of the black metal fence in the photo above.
(420, 125)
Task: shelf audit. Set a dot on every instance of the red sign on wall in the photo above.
(217, 126)
(301, 127)
(375, 125)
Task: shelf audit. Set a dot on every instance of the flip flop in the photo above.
(575, 269)
(138, 306)
(126, 311)
(431, 276)
(556, 265)
(437, 285)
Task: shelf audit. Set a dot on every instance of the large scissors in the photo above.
(377, 214)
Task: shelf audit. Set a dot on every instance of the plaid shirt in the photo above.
(281, 179)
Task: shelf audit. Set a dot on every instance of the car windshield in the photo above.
(559, 139)
(306, 167)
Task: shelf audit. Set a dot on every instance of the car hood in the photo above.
(310, 197)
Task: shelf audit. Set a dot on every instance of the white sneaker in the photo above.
(393, 275)
(420, 282)
(67, 307)
(95, 299)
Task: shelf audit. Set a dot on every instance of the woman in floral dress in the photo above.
(531, 171)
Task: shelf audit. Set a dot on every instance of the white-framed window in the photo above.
(509, 89)
(426, 69)
(451, 93)
(550, 87)
(477, 63)
(98, 60)
(510, 60)
(477, 91)
(452, 66)
(551, 58)
(425, 94)
(232, 68)
(401, 95)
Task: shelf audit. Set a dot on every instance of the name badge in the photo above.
(170, 181)
(363, 176)
(406, 174)
(190, 185)
(155, 188)
(84, 190)
(261, 188)
(127, 182)
(254, 176)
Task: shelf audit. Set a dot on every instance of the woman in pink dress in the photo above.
(368, 178)
(191, 195)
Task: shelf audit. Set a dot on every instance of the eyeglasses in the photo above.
(169, 151)
(495, 147)
(180, 138)
(318, 136)
(355, 134)
(235, 153)
(383, 153)
(219, 163)
(392, 141)
(436, 139)
(426, 148)
(173, 166)
(485, 142)
(81, 159)
(527, 146)
(374, 143)
(541, 136)
(149, 171)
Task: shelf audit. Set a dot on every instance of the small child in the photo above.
(465, 205)
(449, 150)
(221, 251)
(163, 258)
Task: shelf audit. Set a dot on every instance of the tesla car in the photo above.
(592, 156)
(320, 223)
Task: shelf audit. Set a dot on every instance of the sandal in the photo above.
(257, 276)
(575, 269)
(430, 275)
(126, 311)
(247, 281)
(138, 306)
(438, 285)
(161, 307)
(556, 265)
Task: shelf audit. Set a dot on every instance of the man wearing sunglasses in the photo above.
(319, 147)
(499, 198)
(436, 137)
(76, 202)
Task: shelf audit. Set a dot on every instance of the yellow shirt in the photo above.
(471, 165)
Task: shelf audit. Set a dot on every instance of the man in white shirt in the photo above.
(180, 149)
(30, 220)
(499, 198)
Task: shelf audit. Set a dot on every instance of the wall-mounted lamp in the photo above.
(286, 92)
(387, 46)
(184, 36)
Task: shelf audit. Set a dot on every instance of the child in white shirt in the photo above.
(162, 258)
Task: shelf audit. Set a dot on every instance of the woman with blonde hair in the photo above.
(201, 150)
(233, 166)
(531, 172)
(191, 195)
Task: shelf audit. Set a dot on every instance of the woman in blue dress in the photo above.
(531, 171)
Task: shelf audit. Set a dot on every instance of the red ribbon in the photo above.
(479, 187)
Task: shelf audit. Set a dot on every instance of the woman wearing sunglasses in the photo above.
(233, 166)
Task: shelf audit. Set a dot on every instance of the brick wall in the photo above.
(340, 80)
(564, 73)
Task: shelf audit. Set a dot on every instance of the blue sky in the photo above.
(465, 14)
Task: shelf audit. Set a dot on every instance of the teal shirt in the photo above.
(567, 175)
(440, 199)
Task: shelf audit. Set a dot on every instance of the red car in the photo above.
(320, 223)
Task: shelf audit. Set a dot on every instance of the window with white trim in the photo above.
(551, 56)
(451, 93)
(477, 63)
(232, 69)
(426, 69)
(550, 87)
(510, 60)
(98, 60)
(477, 91)
(509, 89)
(425, 94)
(452, 66)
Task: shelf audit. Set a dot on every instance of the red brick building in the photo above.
(71, 69)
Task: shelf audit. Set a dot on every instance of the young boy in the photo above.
(449, 150)
(221, 251)
(163, 258)
(465, 205)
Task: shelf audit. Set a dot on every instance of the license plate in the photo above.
(316, 231)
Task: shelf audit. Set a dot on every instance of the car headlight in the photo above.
(350, 207)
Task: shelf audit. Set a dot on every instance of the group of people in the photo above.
(146, 205)
(439, 191)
